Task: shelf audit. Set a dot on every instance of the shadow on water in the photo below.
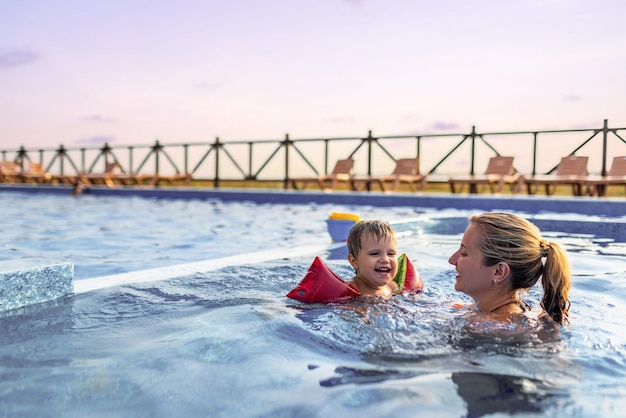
(483, 393)
(487, 394)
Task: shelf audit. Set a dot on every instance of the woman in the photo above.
(501, 254)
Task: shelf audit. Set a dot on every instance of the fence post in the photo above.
(21, 154)
(250, 147)
(156, 148)
(369, 153)
(369, 158)
(61, 154)
(106, 150)
(326, 141)
(83, 160)
(186, 158)
(535, 153)
(473, 150)
(473, 187)
(418, 146)
(130, 159)
(287, 143)
(605, 132)
(216, 180)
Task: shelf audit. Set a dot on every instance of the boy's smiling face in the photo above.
(376, 264)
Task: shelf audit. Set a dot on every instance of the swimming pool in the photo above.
(226, 342)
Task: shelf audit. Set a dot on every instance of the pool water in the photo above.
(227, 342)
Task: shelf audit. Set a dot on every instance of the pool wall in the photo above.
(31, 281)
(606, 207)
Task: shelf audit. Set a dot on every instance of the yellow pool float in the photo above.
(345, 216)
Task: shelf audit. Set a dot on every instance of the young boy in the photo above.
(373, 255)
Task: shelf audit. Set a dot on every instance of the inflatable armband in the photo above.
(320, 284)
(407, 277)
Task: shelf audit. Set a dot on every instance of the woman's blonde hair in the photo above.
(514, 240)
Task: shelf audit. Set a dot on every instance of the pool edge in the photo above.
(608, 207)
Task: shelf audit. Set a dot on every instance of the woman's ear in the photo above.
(501, 272)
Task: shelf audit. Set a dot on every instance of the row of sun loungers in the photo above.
(11, 172)
(571, 171)
(406, 171)
(33, 172)
(114, 174)
(500, 173)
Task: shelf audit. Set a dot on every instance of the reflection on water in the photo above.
(483, 393)
(348, 375)
(487, 394)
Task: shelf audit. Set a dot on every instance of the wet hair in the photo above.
(377, 228)
(516, 241)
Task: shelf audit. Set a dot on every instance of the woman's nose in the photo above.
(453, 258)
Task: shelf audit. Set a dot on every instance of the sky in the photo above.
(77, 72)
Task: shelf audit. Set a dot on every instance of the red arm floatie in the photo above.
(320, 284)
(407, 277)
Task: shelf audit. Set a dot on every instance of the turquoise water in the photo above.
(226, 342)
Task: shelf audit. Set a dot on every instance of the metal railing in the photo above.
(282, 159)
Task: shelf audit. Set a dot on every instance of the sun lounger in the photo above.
(9, 172)
(405, 171)
(596, 185)
(572, 170)
(171, 179)
(113, 174)
(36, 173)
(499, 172)
(341, 173)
